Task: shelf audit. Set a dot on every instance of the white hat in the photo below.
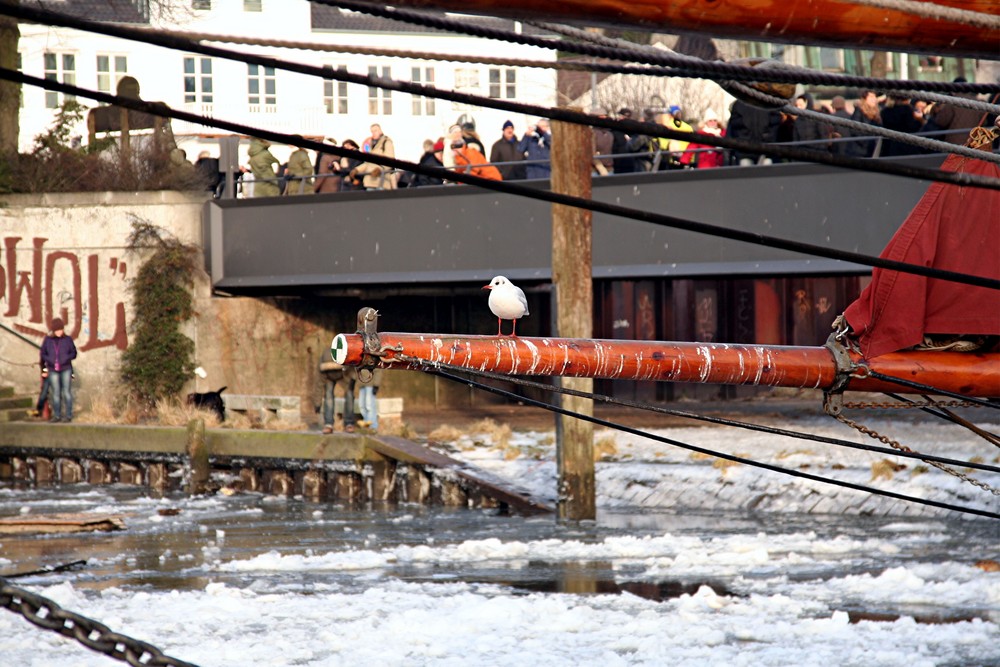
(711, 115)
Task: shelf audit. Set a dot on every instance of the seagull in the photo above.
(507, 302)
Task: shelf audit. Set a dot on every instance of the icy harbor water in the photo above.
(254, 580)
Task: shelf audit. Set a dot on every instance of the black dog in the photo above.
(210, 400)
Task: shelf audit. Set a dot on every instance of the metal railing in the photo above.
(647, 161)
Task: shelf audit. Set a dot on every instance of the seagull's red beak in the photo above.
(487, 286)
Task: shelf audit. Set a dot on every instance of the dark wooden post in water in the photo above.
(197, 449)
(572, 153)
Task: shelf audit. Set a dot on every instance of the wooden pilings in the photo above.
(573, 294)
(388, 481)
(328, 468)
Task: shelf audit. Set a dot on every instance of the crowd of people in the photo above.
(514, 157)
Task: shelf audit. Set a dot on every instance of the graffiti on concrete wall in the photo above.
(38, 284)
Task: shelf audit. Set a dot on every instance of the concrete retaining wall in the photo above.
(65, 255)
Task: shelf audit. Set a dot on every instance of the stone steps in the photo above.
(13, 407)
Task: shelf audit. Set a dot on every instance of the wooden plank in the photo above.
(408, 451)
(61, 523)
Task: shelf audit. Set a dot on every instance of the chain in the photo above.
(903, 448)
(94, 635)
(904, 406)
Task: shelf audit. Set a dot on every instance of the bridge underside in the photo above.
(443, 240)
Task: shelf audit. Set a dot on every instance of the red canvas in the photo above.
(952, 228)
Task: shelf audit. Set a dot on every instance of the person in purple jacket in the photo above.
(57, 355)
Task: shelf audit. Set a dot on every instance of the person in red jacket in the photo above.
(468, 160)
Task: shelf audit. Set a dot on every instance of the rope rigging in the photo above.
(934, 145)
(508, 187)
(932, 10)
(628, 126)
(709, 69)
(721, 421)
(941, 411)
(708, 452)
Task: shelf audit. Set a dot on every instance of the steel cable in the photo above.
(507, 187)
(714, 453)
(721, 421)
(628, 126)
(709, 69)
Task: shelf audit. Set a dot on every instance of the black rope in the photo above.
(627, 126)
(722, 421)
(709, 452)
(926, 388)
(709, 69)
(942, 412)
(507, 187)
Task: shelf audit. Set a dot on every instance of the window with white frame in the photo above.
(335, 93)
(201, 4)
(261, 87)
(198, 80)
(110, 70)
(253, 5)
(379, 99)
(423, 106)
(467, 79)
(503, 82)
(59, 67)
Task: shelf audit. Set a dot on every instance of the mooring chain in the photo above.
(96, 636)
(903, 448)
(894, 405)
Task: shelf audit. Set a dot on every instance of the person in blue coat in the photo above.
(57, 354)
(537, 147)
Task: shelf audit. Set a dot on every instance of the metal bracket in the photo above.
(368, 330)
(833, 398)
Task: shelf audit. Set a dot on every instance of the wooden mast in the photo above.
(970, 374)
(844, 23)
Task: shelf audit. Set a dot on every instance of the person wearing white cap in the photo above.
(705, 158)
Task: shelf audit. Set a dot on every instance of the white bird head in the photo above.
(498, 281)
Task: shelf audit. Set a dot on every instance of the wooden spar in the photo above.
(844, 23)
(969, 374)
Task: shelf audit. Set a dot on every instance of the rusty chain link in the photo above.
(94, 635)
(894, 405)
(903, 448)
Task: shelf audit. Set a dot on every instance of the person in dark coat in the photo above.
(333, 373)
(347, 165)
(537, 147)
(328, 171)
(505, 149)
(866, 111)
(431, 158)
(951, 117)
(752, 123)
(56, 356)
(622, 162)
(900, 116)
(838, 145)
(809, 129)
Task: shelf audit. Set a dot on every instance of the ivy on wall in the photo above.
(159, 359)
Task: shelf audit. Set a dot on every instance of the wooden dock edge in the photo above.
(338, 467)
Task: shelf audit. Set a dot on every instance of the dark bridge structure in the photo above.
(421, 255)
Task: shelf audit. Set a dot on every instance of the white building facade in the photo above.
(276, 99)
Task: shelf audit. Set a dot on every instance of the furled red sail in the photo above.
(952, 228)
